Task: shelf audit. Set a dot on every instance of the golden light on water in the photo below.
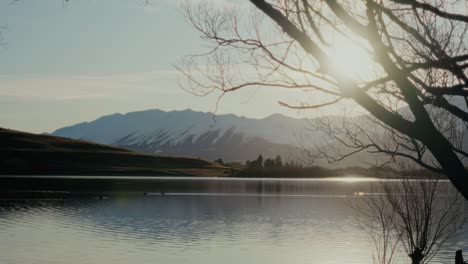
(357, 179)
(352, 179)
(359, 193)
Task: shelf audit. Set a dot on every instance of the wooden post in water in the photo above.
(459, 257)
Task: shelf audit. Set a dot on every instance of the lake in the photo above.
(186, 220)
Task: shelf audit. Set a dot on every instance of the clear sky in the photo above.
(61, 64)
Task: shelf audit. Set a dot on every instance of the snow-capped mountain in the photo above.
(194, 134)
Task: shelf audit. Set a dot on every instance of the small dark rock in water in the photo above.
(101, 197)
(162, 193)
(145, 193)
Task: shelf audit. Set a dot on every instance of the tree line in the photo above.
(276, 162)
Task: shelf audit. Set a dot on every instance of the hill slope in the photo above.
(31, 154)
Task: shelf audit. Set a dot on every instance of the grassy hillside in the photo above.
(31, 154)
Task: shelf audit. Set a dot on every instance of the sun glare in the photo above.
(353, 179)
(349, 58)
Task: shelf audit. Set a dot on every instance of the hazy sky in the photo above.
(63, 64)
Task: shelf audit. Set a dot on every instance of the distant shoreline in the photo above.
(192, 176)
(62, 187)
(32, 154)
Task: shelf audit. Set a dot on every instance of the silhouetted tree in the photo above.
(418, 214)
(278, 162)
(417, 48)
(219, 161)
(259, 161)
(269, 163)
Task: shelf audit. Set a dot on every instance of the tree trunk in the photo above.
(423, 129)
(451, 164)
(416, 256)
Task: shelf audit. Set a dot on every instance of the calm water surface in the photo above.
(229, 221)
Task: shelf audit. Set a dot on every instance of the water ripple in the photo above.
(184, 229)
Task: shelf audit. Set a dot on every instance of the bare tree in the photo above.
(417, 214)
(416, 50)
(349, 136)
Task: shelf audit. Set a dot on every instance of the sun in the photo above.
(350, 58)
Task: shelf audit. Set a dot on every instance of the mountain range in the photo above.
(196, 134)
(232, 138)
(229, 137)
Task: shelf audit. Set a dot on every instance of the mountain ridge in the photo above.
(192, 133)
